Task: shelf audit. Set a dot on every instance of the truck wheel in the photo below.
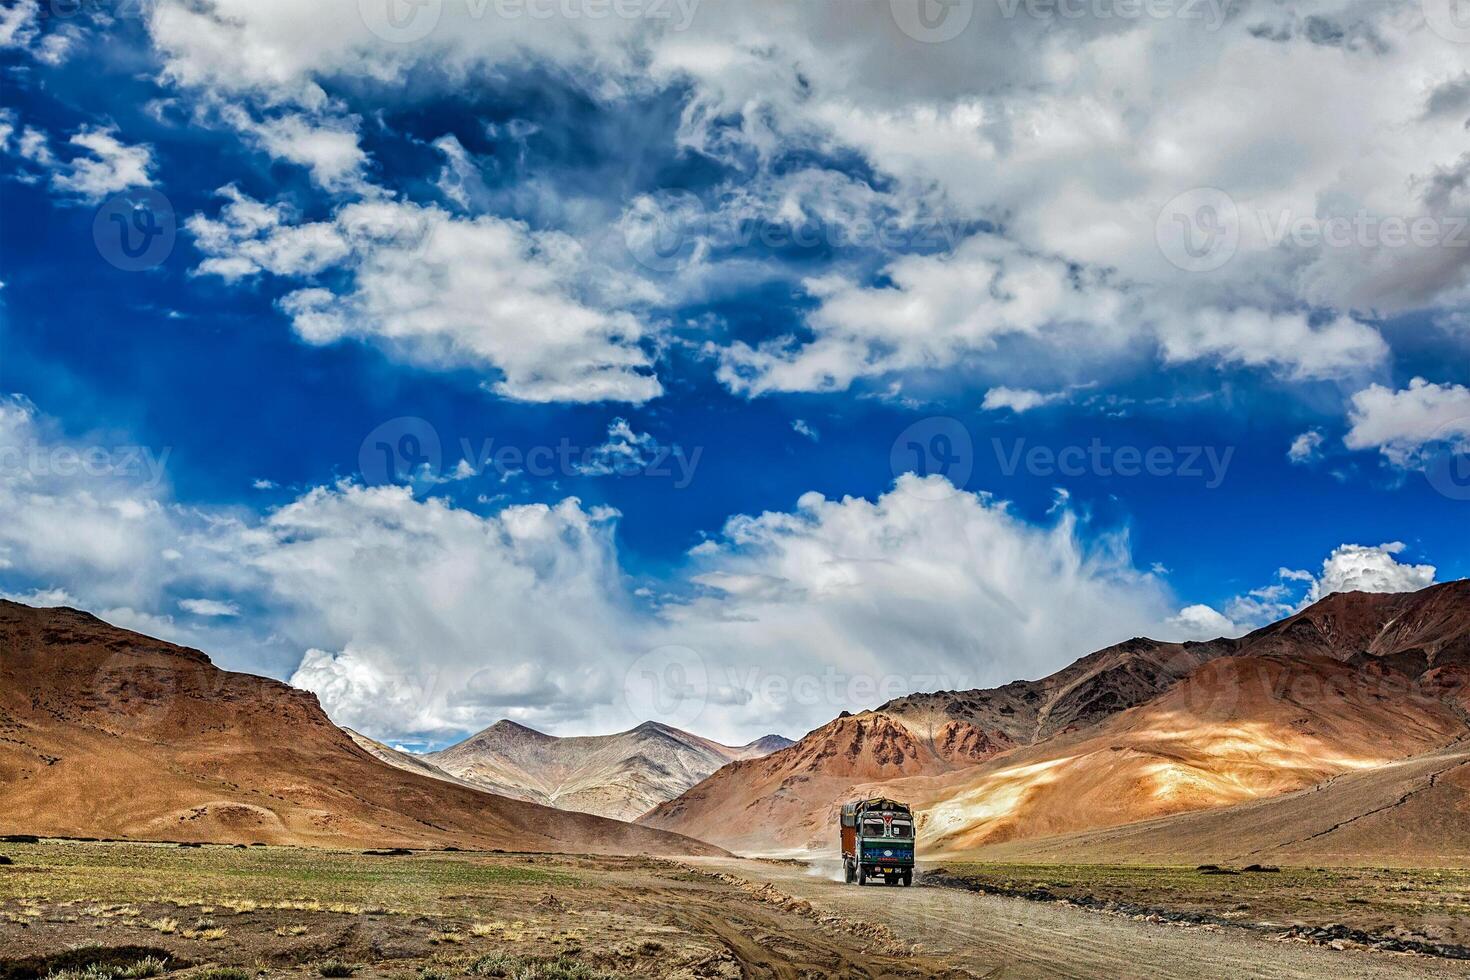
(908, 878)
(847, 875)
(862, 876)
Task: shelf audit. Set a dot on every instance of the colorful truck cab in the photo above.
(877, 841)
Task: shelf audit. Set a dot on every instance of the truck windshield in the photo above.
(902, 829)
(872, 828)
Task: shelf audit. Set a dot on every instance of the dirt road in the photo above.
(1009, 937)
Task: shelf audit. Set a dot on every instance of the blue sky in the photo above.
(711, 301)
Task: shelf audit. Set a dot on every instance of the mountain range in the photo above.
(1339, 735)
(1167, 738)
(620, 776)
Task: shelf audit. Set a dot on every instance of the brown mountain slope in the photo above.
(1238, 729)
(620, 776)
(1415, 812)
(1259, 717)
(107, 733)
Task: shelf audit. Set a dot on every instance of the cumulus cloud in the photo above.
(1289, 343)
(209, 607)
(90, 512)
(1202, 622)
(926, 587)
(95, 164)
(934, 310)
(1349, 568)
(444, 291)
(795, 615)
(1403, 424)
(105, 165)
(1002, 126)
(19, 23)
(937, 311)
(1358, 568)
(625, 451)
(1306, 447)
(20, 28)
(1018, 400)
(327, 145)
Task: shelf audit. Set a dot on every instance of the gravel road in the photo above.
(1010, 937)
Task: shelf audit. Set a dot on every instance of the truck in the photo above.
(877, 841)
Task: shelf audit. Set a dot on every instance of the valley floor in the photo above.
(130, 911)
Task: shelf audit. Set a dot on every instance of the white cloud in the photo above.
(624, 452)
(843, 603)
(1071, 133)
(1357, 568)
(1403, 424)
(414, 599)
(1286, 342)
(98, 165)
(802, 428)
(105, 166)
(1349, 568)
(325, 144)
(445, 292)
(940, 311)
(1018, 400)
(937, 311)
(20, 28)
(1201, 622)
(83, 516)
(43, 598)
(19, 23)
(209, 607)
(1306, 447)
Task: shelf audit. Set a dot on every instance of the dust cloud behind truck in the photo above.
(877, 841)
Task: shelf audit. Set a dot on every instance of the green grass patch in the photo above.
(223, 973)
(125, 872)
(500, 965)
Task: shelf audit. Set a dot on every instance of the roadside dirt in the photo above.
(418, 916)
(996, 936)
(284, 913)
